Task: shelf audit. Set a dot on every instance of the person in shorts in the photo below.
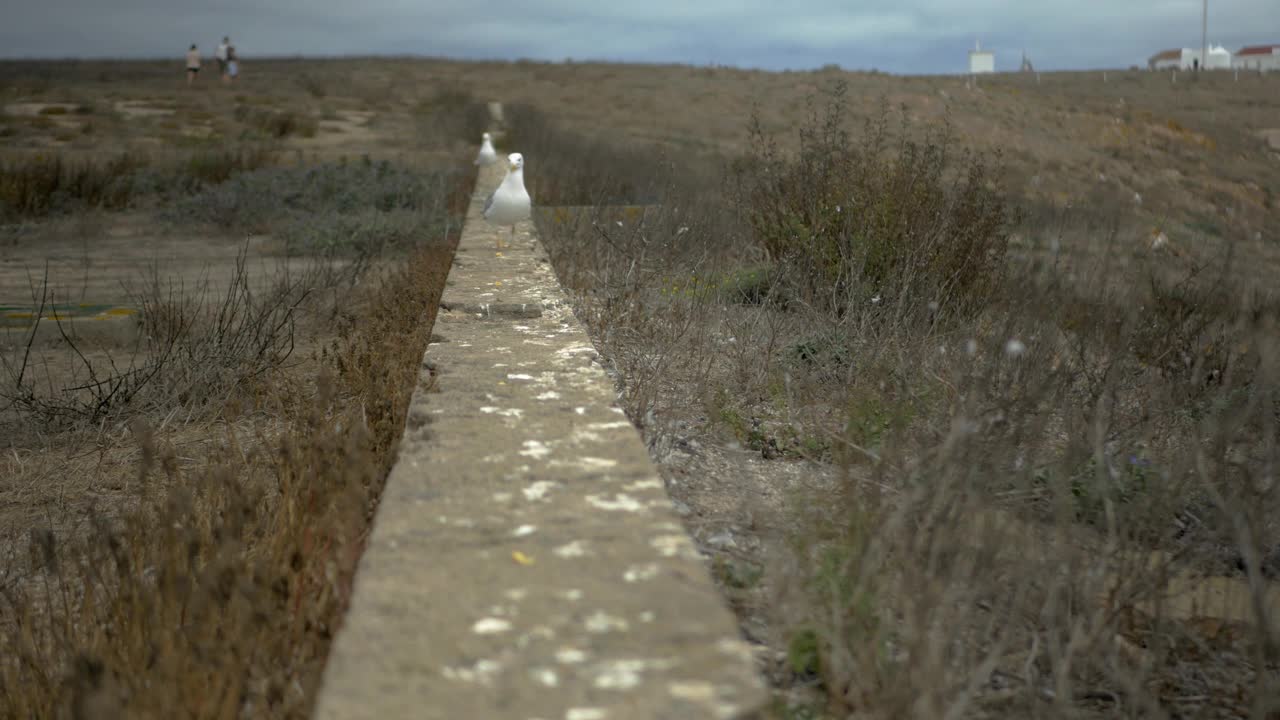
(193, 64)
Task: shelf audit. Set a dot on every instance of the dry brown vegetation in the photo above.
(1000, 477)
(215, 591)
(1027, 475)
(186, 489)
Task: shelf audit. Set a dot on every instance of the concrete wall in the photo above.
(982, 62)
(525, 561)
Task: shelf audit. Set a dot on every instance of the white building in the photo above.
(981, 62)
(1219, 58)
(1262, 58)
(1165, 60)
(1189, 59)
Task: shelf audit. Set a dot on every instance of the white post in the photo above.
(1104, 77)
(1204, 37)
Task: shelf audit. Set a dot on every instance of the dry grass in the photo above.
(187, 507)
(217, 590)
(1056, 503)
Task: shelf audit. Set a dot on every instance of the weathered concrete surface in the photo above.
(525, 560)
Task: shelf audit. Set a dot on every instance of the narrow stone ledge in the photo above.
(525, 561)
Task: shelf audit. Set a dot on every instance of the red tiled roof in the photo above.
(1258, 50)
(1167, 55)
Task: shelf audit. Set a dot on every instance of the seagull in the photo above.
(487, 156)
(509, 203)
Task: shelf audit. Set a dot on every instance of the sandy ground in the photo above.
(127, 251)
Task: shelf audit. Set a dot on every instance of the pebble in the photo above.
(722, 540)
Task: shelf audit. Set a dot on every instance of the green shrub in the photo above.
(803, 654)
(750, 285)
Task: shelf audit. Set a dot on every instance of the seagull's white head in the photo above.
(515, 161)
(486, 136)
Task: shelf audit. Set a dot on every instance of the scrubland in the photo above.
(969, 393)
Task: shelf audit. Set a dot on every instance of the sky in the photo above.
(899, 36)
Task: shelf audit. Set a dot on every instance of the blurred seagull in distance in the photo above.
(487, 155)
(509, 203)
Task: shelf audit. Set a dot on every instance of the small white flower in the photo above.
(971, 346)
(1015, 347)
(875, 300)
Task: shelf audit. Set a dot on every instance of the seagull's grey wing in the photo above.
(488, 203)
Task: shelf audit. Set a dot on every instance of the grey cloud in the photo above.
(909, 36)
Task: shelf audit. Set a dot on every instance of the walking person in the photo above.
(221, 55)
(193, 64)
(233, 63)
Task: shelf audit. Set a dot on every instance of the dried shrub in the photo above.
(278, 124)
(452, 112)
(218, 588)
(313, 85)
(907, 221)
(1026, 492)
(40, 184)
(358, 208)
(566, 168)
(214, 165)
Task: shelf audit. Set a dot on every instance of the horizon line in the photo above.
(827, 67)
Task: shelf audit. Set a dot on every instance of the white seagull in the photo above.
(487, 155)
(509, 203)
